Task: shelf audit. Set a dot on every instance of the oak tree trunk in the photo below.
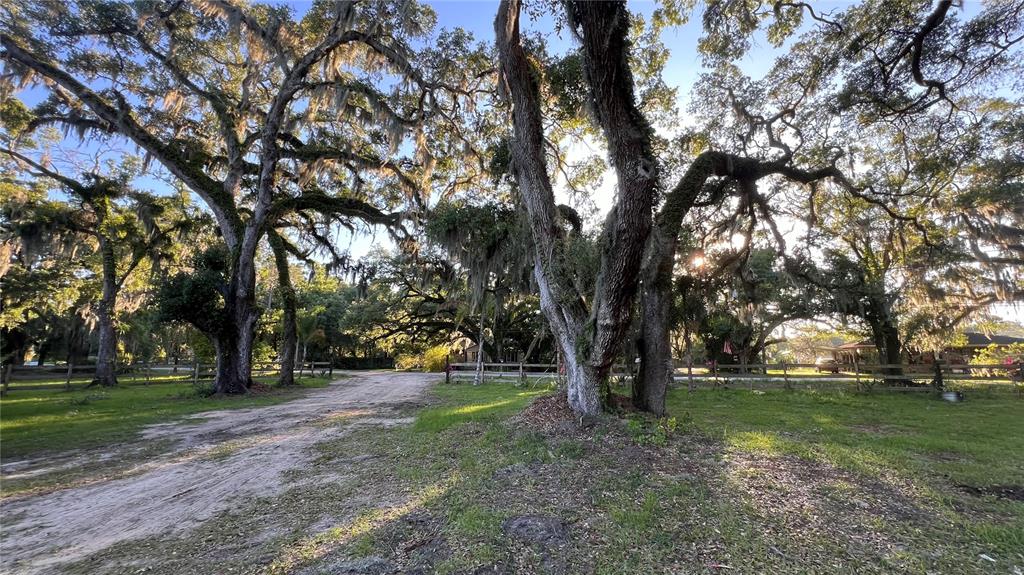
(234, 369)
(583, 381)
(234, 342)
(887, 339)
(659, 259)
(106, 355)
(886, 336)
(289, 332)
(656, 365)
(588, 335)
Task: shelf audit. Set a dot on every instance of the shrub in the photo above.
(434, 358)
(407, 361)
(197, 391)
(263, 352)
(430, 360)
(996, 354)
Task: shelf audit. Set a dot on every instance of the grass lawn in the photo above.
(47, 421)
(739, 482)
(747, 482)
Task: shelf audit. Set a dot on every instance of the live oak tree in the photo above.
(43, 286)
(877, 68)
(257, 112)
(128, 226)
(746, 304)
(913, 282)
(589, 327)
(487, 242)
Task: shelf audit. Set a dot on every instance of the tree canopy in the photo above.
(870, 174)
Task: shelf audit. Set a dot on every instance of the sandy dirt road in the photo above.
(216, 458)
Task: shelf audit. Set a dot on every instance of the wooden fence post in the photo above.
(689, 371)
(195, 371)
(1020, 379)
(785, 375)
(447, 369)
(6, 371)
(938, 374)
(856, 372)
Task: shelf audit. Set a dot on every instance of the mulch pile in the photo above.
(546, 412)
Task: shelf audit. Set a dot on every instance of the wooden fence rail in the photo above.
(922, 377)
(28, 376)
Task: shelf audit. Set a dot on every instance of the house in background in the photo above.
(465, 351)
(961, 353)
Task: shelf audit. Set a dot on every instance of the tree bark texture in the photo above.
(589, 339)
(106, 355)
(289, 332)
(562, 305)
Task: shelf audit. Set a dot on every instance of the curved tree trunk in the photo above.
(106, 355)
(289, 332)
(583, 381)
(588, 336)
(656, 367)
(659, 261)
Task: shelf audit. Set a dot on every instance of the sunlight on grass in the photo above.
(973, 441)
(312, 548)
(757, 441)
(824, 420)
(473, 403)
(478, 407)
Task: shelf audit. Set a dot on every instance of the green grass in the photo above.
(477, 403)
(975, 442)
(765, 482)
(47, 421)
(715, 484)
(919, 446)
(184, 375)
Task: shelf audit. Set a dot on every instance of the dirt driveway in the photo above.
(215, 458)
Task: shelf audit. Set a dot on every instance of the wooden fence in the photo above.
(32, 376)
(892, 377)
